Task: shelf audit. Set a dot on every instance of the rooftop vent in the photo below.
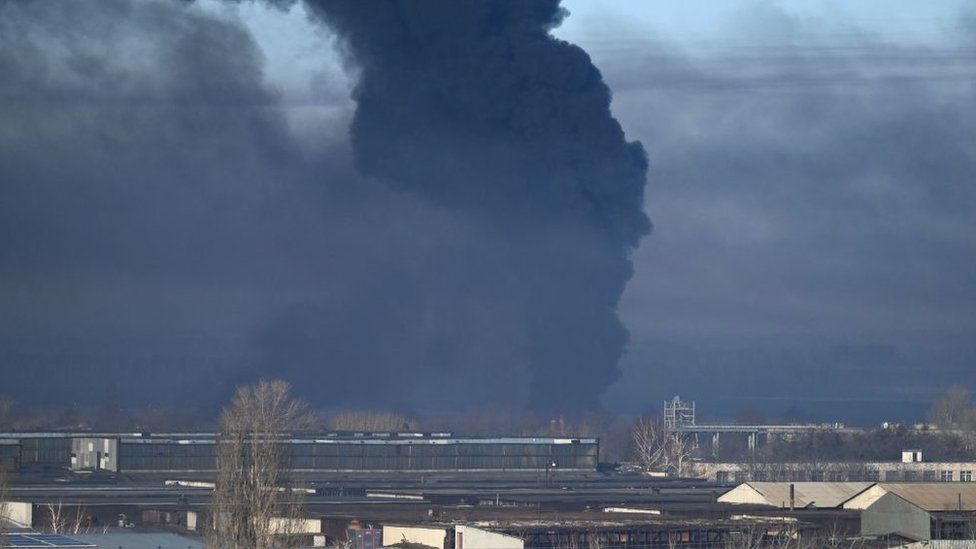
(911, 456)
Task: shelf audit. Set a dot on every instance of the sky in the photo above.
(812, 247)
(809, 184)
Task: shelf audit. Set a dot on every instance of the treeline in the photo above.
(948, 435)
(873, 445)
(954, 411)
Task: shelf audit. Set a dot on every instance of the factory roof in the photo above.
(37, 540)
(822, 495)
(135, 540)
(930, 496)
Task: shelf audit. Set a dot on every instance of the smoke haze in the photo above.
(167, 228)
(435, 210)
(476, 108)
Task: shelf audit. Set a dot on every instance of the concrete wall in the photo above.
(432, 537)
(469, 537)
(18, 512)
(284, 525)
(892, 515)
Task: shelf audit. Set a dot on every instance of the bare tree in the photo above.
(648, 443)
(63, 521)
(251, 509)
(655, 449)
(951, 408)
(58, 522)
(679, 450)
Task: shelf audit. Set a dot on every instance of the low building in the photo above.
(871, 471)
(917, 511)
(914, 511)
(890, 515)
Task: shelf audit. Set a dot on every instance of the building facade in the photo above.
(367, 453)
(871, 471)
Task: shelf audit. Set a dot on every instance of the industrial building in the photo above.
(347, 454)
(34, 451)
(9, 455)
(911, 468)
(307, 452)
(916, 511)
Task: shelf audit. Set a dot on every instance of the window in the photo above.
(928, 476)
(722, 477)
(966, 476)
(945, 476)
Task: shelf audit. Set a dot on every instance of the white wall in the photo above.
(469, 537)
(284, 525)
(433, 537)
(892, 515)
(19, 512)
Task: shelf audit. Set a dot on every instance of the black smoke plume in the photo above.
(476, 108)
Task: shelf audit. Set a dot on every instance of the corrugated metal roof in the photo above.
(936, 496)
(36, 540)
(809, 494)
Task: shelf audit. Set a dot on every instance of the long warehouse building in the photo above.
(319, 452)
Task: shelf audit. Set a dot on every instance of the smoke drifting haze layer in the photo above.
(812, 193)
(174, 226)
(197, 194)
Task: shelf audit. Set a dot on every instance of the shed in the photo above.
(891, 515)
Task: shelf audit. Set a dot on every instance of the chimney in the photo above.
(792, 496)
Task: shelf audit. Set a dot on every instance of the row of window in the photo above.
(843, 476)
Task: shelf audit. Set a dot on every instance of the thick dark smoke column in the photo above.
(477, 108)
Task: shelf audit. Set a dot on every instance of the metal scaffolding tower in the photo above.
(678, 414)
